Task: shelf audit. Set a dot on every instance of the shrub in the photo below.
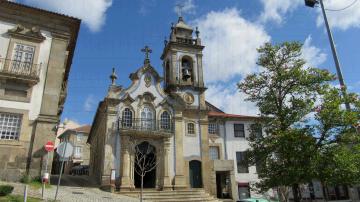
(5, 190)
(25, 179)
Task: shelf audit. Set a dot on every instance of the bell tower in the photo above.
(182, 59)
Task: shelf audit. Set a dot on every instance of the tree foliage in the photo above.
(304, 121)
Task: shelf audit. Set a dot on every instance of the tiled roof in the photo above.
(225, 115)
(84, 129)
(37, 9)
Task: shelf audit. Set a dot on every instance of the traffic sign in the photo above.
(49, 146)
(65, 149)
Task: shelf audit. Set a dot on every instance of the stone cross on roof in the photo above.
(147, 51)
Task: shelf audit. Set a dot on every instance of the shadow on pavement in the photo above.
(73, 181)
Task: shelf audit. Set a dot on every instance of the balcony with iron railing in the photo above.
(21, 70)
(146, 126)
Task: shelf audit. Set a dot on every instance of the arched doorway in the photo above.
(145, 163)
(195, 174)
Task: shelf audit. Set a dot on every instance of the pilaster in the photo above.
(125, 178)
(180, 181)
(167, 182)
(206, 164)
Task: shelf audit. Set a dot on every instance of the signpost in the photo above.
(65, 150)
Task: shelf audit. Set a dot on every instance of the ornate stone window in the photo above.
(165, 120)
(191, 128)
(147, 118)
(214, 152)
(10, 125)
(126, 118)
(23, 56)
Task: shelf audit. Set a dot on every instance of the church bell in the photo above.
(186, 73)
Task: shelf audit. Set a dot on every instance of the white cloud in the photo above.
(231, 42)
(92, 12)
(89, 103)
(344, 19)
(146, 6)
(274, 10)
(188, 7)
(312, 54)
(230, 99)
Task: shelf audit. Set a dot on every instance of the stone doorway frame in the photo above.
(162, 149)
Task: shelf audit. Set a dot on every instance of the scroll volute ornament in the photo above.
(147, 80)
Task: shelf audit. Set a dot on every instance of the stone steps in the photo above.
(186, 195)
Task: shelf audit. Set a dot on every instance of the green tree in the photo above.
(285, 93)
(337, 141)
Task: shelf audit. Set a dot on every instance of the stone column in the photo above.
(126, 182)
(167, 182)
(180, 181)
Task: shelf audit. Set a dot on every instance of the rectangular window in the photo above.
(214, 153)
(77, 152)
(242, 166)
(79, 137)
(10, 125)
(239, 130)
(213, 128)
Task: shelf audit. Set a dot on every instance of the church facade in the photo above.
(195, 144)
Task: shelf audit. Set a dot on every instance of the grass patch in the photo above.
(37, 185)
(17, 198)
(34, 183)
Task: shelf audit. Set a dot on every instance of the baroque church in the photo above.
(195, 144)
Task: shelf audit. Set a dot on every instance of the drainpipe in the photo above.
(225, 139)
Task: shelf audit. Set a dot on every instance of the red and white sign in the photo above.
(49, 146)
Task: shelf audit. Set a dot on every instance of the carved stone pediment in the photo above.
(213, 138)
(31, 34)
(147, 97)
(127, 99)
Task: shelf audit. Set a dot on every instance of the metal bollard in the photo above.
(25, 193)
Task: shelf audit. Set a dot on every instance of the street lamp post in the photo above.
(311, 3)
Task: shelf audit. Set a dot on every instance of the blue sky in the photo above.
(113, 32)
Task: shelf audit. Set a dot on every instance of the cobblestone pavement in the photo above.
(81, 194)
(71, 194)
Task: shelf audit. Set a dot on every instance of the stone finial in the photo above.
(165, 41)
(113, 77)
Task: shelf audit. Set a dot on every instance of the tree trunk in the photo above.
(142, 187)
(296, 192)
(325, 191)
